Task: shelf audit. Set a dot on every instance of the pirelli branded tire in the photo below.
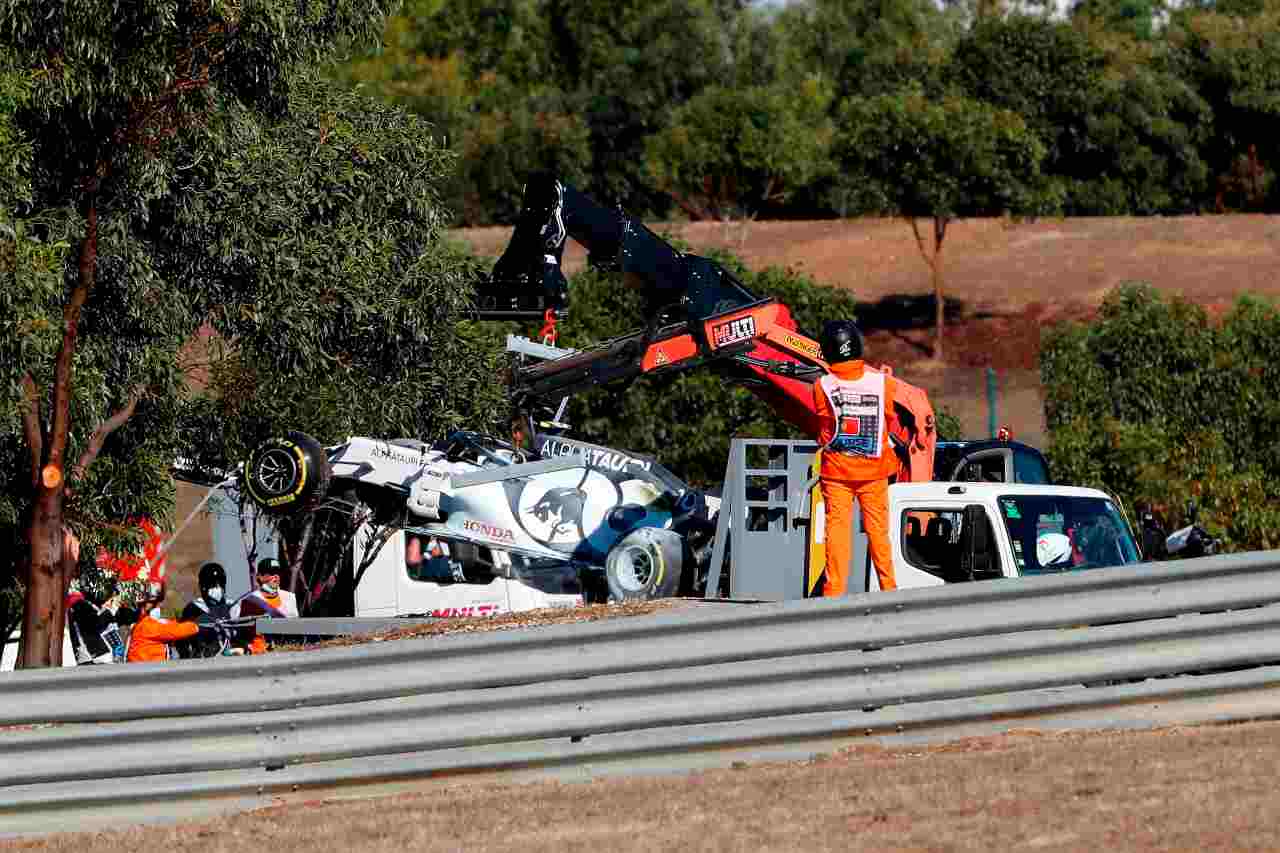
(287, 475)
(646, 563)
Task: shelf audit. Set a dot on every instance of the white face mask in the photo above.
(214, 593)
(155, 613)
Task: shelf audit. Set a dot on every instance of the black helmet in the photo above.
(97, 585)
(841, 341)
(211, 575)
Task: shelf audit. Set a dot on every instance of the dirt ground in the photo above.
(998, 265)
(1195, 788)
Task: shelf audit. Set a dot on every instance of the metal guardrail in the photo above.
(641, 686)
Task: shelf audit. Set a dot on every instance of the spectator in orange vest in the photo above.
(853, 403)
(152, 636)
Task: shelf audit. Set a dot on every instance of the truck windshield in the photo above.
(1056, 533)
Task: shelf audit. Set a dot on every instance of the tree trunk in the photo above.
(42, 613)
(939, 232)
(41, 642)
(297, 583)
(934, 260)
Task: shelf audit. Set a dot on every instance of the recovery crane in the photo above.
(696, 313)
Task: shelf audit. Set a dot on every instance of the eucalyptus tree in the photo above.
(186, 200)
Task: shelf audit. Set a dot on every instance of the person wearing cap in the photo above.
(853, 403)
(267, 600)
(153, 636)
(210, 606)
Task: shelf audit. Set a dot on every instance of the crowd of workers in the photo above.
(104, 630)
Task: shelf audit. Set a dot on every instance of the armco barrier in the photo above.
(643, 685)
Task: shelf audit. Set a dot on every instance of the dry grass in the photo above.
(1210, 788)
(506, 622)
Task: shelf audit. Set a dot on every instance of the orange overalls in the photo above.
(150, 638)
(854, 467)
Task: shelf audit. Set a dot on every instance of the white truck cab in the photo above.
(392, 587)
(950, 532)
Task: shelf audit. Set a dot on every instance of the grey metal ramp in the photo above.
(766, 520)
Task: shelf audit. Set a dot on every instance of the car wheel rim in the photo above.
(634, 568)
(277, 471)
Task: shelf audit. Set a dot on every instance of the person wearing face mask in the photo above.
(267, 600)
(210, 606)
(152, 638)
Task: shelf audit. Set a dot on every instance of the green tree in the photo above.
(1045, 71)
(1137, 18)
(1147, 130)
(866, 47)
(341, 307)
(499, 147)
(1161, 405)
(1124, 128)
(128, 148)
(735, 152)
(617, 69)
(906, 155)
(1234, 64)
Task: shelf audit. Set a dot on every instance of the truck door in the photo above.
(945, 542)
(376, 594)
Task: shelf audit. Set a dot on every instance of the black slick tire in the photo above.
(287, 475)
(645, 564)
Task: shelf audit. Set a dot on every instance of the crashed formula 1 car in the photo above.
(497, 527)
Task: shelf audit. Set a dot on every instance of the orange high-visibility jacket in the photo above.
(844, 466)
(150, 638)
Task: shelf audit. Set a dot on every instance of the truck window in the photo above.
(426, 558)
(983, 468)
(931, 542)
(1029, 468)
(1051, 534)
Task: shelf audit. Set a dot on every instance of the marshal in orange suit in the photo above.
(853, 403)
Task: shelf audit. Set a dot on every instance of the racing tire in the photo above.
(645, 564)
(698, 539)
(287, 475)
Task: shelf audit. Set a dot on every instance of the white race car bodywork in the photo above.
(565, 508)
(492, 531)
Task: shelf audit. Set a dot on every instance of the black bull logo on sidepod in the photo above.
(559, 517)
(566, 506)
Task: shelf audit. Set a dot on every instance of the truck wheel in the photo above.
(646, 563)
(285, 475)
